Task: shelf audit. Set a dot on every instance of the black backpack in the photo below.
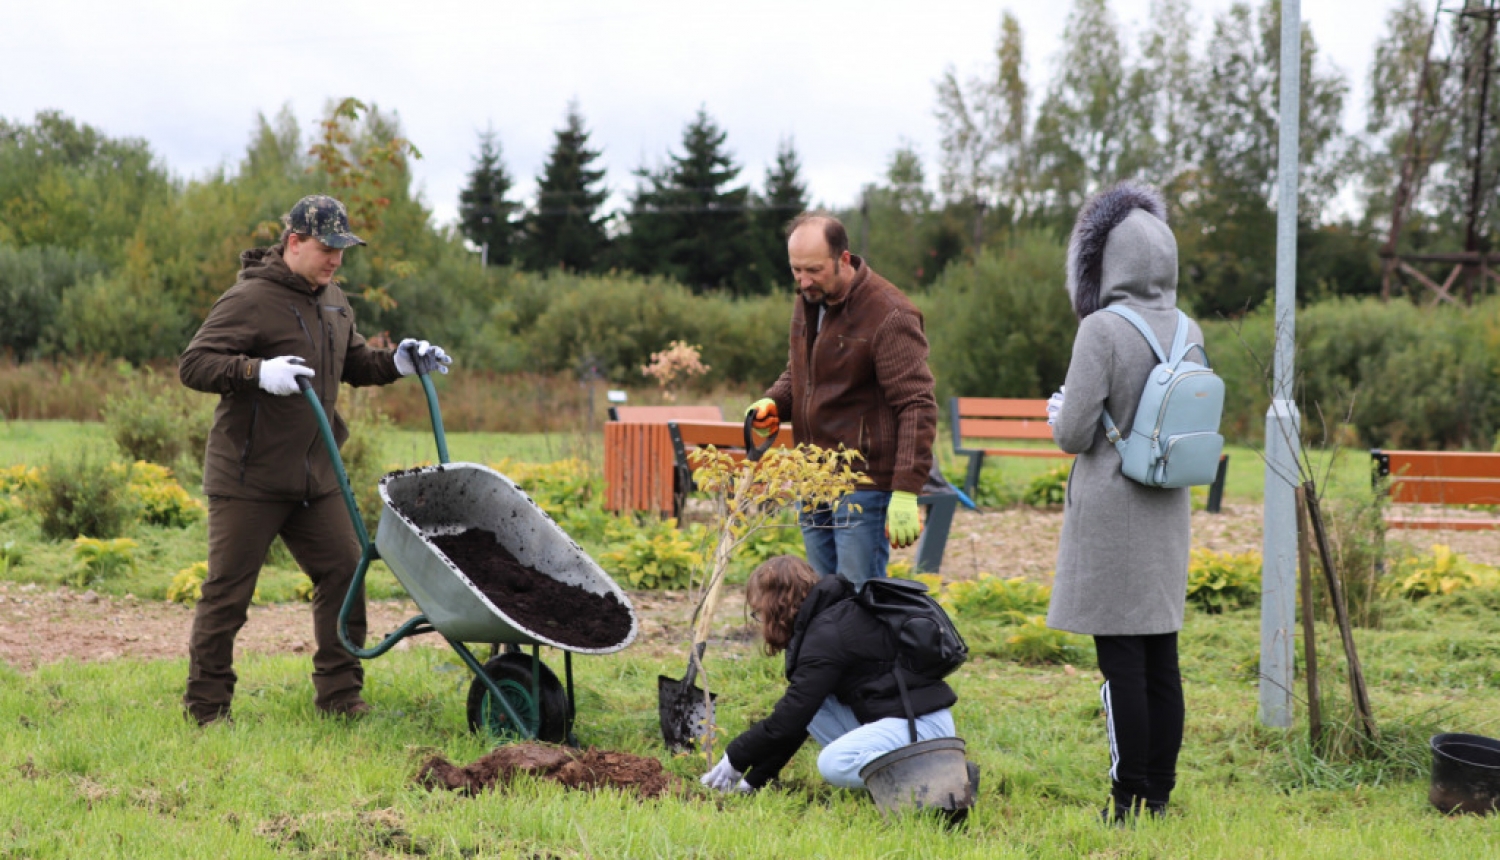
(928, 645)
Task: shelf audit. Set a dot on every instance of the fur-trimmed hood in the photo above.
(1122, 248)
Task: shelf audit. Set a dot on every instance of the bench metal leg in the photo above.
(1216, 489)
(971, 480)
(934, 539)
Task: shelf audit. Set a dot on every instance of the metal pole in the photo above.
(1279, 578)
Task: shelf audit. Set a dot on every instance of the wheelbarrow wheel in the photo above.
(545, 718)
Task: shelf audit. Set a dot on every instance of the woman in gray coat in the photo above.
(1123, 557)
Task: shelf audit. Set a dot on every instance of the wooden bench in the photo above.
(638, 463)
(663, 414)
(729, 436)
(1438, 478)
(1002, 419)
(1016, 420)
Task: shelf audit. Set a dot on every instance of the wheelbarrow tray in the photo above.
(419, 504)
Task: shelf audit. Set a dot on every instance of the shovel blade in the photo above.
(685, 714)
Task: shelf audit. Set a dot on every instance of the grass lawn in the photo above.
(99, 761)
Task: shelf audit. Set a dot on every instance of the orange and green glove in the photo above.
(902, 525)
(766, 422)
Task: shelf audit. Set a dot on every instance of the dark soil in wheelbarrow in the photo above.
(563, 613)
(584, 770)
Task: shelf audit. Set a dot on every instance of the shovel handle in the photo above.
(752, 453)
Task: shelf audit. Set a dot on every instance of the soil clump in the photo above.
(585, 770)
(564, 613)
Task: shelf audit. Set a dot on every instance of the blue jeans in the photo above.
(848, 542)
(849, 745)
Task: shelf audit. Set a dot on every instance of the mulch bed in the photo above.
(563, 613)
(585, 770)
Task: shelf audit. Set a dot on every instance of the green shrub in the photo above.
(162, 501)
(363, 452)
(1034, 642)
(97, 560)
(15, 481)
(1442, 572)
(1002, 326)
(993, 596)
(11, 556)
(1219, 580)
(82, 496)
(187, 584)
(658, 555)
(556, 487)
(156, 418)
(1049, 488)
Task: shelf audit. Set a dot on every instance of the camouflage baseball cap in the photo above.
(323, 218)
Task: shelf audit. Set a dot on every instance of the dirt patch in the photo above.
(584, 771)
(564, 613)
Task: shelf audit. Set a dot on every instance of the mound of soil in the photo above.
(585, 771)
(564, 613)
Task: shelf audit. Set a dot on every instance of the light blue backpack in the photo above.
(1175, 439)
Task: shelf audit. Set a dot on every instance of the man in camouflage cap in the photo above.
(267, 472)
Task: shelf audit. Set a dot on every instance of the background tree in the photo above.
(985, 138)
(687, 220)
(1083, 122)
(565, 229)
(1229, 223)
(898, 229)
(484, 212)
(784, 198)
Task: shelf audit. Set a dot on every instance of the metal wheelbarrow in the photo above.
(514, 696)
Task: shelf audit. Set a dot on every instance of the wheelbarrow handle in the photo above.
(752, 453)
(304, 383)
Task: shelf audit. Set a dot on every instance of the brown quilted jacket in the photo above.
(862, 381)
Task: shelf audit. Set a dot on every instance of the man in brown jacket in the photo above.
(856, 376)
(267, 471)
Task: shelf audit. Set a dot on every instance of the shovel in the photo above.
(686, 711)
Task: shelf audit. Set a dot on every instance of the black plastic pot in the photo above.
(1465, 774)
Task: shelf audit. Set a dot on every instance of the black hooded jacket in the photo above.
(838, 649)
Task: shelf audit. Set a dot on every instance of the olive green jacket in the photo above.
(264, 447)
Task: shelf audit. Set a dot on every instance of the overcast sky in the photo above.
(847, 81)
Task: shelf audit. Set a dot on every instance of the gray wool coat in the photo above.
(1122, 560)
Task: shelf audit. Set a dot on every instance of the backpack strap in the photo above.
(911, 717)
(1179, 351)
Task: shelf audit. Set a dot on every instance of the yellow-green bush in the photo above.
(1049, 488)
(994, 596)
(1219, 580)
(82, 496)
(96, 560)
(1442, 572)
(657, 556)
(556, 487)
(15, 481)
(162, 501)
(1034, 642)
(187, 585)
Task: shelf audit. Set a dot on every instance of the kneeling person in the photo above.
(841, 689)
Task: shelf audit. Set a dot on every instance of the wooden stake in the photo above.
(1341, 613)
(1309, 629)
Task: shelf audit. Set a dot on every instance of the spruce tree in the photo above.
(565, 230)
(785, 197)
(688, 222)
(484, 214)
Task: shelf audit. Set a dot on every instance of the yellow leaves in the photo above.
(187, 586)
(101, 559)
(1442, 572)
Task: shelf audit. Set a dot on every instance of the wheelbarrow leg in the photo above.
(484, 677)
(572, 708)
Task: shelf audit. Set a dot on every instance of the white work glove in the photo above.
(279, 375)
(1054, 404)
(414, 355)
(725, 778)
